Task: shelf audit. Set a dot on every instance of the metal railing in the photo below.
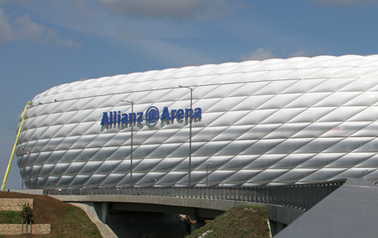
(302, 196)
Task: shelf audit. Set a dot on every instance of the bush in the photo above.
(26, 213)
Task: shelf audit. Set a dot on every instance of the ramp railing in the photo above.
(303, 196)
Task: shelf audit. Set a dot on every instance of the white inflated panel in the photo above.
(272, 122)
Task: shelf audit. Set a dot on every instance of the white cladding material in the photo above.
(272, 122)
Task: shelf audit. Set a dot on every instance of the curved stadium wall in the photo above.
(272, 122)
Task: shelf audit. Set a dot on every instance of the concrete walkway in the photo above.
(350, 211)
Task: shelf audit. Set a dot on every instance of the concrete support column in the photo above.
(196, 225)
(104, 209)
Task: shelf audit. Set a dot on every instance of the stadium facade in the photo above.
(271, 122)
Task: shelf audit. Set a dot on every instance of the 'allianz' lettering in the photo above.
(116, 117)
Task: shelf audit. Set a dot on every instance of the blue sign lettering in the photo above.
(151, 116)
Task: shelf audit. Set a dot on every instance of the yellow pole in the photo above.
(14, 146)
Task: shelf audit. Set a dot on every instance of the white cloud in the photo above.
(27, 30)
(130, 34)
(259, 54)
(23, 28)
(299, 53)
(263, 54)
(345, 2)
(176, 9)
(19, 2)
(53, 38)
(82, 8)
(6, 31)
(168, 53)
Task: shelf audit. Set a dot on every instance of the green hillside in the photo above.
(238, 222)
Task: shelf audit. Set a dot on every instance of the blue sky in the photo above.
(44, 43)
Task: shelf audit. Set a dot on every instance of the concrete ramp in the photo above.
(350, 211)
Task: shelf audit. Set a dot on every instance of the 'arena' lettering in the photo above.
(116, 117)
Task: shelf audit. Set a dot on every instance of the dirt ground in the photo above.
(44, 206)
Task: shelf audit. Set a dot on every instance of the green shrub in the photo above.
(26, 213)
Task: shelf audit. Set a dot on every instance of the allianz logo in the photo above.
(151, 116)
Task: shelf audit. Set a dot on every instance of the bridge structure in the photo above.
(284, 204)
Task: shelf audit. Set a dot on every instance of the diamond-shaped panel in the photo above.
(278, 121)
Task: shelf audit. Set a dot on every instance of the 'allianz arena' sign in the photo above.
(151, 115)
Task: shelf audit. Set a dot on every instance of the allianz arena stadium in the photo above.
(272, 122)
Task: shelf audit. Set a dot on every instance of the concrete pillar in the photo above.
(104, 208)
(196, 225)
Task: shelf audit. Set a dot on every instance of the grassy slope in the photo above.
(240, 221)
(66, 220)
